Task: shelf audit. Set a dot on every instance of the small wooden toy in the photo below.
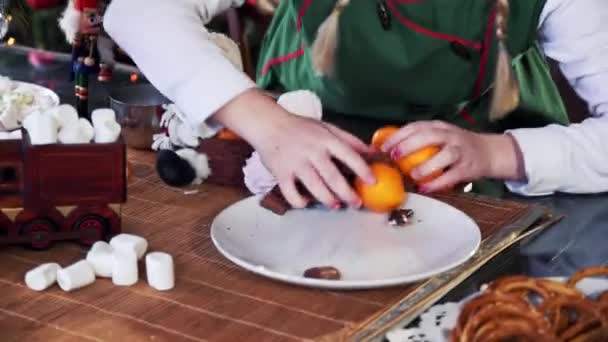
(92, 49)
(59, 192)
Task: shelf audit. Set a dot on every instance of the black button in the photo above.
(461, 51)
(383, 15)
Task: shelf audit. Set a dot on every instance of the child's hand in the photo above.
(465, 156)
(301, 149)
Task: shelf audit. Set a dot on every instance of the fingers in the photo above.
(317, 187)
(405, 132)
(442, 160)
(350, 139)
(419, 140)
(338, 184)
(446, 181)
(291, 193)
(353, 160)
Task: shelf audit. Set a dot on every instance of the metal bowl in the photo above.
(138, 110)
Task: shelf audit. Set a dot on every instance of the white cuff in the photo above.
(544, 159)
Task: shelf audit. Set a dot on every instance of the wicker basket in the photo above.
(226, 160)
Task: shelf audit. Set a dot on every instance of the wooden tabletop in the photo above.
(213, 299)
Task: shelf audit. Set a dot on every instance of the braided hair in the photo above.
(325, 44)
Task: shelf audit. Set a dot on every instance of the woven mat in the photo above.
(214, 300)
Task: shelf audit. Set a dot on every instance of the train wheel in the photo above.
(40, 232)
(92, 228)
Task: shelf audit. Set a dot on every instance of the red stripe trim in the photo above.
(467, 117)
(483, 64)
(301, 13)
(427, 32)
(281, 59)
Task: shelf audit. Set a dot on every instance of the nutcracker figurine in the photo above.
(92, 49)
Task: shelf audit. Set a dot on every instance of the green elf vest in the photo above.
(435, 61)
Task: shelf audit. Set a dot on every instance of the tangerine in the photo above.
(388, 193)
(227, 134)
(382, 134)
(415, 159)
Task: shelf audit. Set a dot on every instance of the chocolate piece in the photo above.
(275, 202)
(324, 272)
(400, 217)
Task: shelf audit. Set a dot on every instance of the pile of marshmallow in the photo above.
(18, 100)
(117, 260)
(62, 125)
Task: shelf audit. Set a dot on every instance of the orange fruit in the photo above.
(387, 194)
(227, 134)
(382, 134)
(413, 160)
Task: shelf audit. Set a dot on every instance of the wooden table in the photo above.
(211, 300)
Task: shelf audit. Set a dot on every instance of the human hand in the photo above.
(302, 150)
(464, 156)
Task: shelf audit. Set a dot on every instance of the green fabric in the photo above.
(401, 75)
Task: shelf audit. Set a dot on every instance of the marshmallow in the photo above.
(100, 258)
(198, 161)
(124, 268)
(257, 177)
(42, 277)
(128, 242)
(9, 117)
(64, 115)
(86, 129)
(101, 115)
(160, 271)
(41, 128)
(107, 132)
(14, 135)
(72, 134)
(76, 276)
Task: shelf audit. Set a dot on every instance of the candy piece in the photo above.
(72, 133)
(42, 277)
(42, 129)
(100, 258)
(160, 271)
(101, 115)
(75, 276)
(64, 115)
(325, 272)
(129, 242)
(124, 267)
(107, 132)
(86, 129)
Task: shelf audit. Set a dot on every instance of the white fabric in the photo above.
(172, 48)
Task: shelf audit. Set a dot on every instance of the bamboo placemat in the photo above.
(213, 300)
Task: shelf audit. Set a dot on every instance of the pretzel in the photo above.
(508, 311)
(566, 312)
(586, 273)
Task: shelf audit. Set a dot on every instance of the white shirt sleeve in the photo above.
(571, 159)
(169, 43)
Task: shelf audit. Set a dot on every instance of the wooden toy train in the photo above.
(59, 192)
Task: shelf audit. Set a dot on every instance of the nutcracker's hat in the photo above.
(83, 4)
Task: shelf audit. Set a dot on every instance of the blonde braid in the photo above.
(326, 42)
(506, 88)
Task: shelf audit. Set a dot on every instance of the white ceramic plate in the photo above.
(368, 251)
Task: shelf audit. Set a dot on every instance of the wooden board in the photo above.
(214, 300)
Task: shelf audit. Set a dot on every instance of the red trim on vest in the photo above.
(483, 64)
(484, 56)
(281, 59)
(427, 32)
(301, 13)
(467, 117)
